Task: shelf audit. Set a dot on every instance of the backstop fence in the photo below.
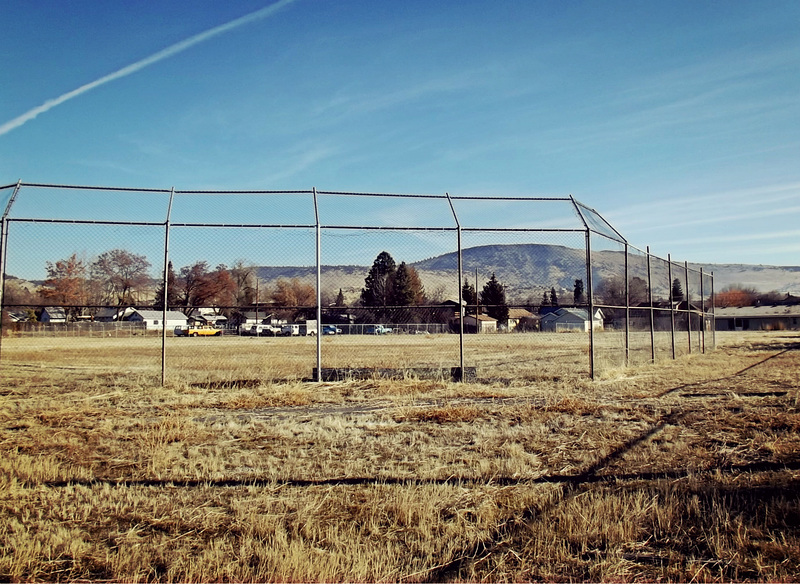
(319, 285)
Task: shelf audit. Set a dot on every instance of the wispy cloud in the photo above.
(791, 234)
(302, 156)
(741, 200)
(346, 103)
(146, 62)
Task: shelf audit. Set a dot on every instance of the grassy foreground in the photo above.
(684, 471)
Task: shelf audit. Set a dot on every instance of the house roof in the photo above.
(159, 314)
(114, 312)
(251, 314)
(482, 317)
(55, 311)
(520, 313)
(571, 314)
(451, 302)
(764, 311)
(205, 311)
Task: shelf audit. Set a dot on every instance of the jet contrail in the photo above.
(154, 58)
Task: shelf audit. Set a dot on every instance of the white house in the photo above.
(571, 319)
(153, 319)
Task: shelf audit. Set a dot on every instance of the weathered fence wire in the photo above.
(624, 304)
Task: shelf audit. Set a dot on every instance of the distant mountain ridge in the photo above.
(528, 269)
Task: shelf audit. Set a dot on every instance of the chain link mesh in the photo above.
(284, 282)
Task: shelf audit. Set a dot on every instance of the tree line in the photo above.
(119, 277)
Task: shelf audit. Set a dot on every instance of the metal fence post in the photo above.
(461, 307)
(3, 247)
(589, 289)
(627, 312)
(671, 305)
(650, 302)
(319, 285)
(713, 315)
(166, 291)
(590, 293)
(688, 304)
(702, 315)
(4, 256)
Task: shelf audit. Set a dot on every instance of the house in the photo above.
(529, 320)
(113, 314)
(481, 323)
(153, 319)
(664, 315)
(17, 316)
(207, 316)
(571, 319)
(247, 318)
(53, 314)
(755, 318)
(454, 304)
(244, 320)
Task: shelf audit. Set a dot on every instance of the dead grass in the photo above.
(679, 471)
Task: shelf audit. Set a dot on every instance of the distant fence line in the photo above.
(78, 329)
(626, 291)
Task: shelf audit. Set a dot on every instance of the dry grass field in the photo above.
(238, 470)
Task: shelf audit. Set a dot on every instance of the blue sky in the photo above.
(678, 121)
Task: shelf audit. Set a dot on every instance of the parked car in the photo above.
(290, 330)
(329, 329)
(378, 329)
(197, 331)
(265, 330)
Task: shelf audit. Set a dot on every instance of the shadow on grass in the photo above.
(783, 351)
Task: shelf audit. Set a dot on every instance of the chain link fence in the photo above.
(223, 286)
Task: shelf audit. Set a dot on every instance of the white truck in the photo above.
(307, 329)
(290, 330)
(264, 330)
(378, 329)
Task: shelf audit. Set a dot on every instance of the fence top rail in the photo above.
(398, 195)
(244, 192)
(487, 198)
(84, 221)
(284, 192)
(247, 225)
(95, 188)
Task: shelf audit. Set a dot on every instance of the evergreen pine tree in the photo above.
(469, 296)
(339, 299)
(677, 290)
(493, 297)
(173, 294)
(553, 297)
(577, 294)
(402, 288)
(377, 289)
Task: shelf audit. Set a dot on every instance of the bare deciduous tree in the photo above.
(120, 273)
